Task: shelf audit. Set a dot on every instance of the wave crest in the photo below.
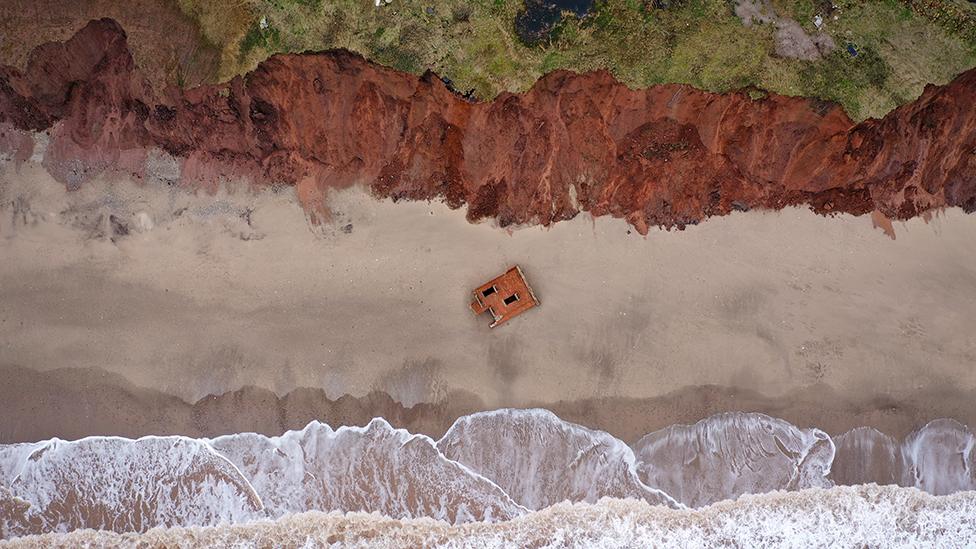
(125, 485)
(489, 467)
(938, 458)
(541, 460)
(372, 469)
(727, 455)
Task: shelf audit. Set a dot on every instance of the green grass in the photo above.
(901, 52)
(903, 44)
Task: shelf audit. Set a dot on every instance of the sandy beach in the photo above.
(251, 257)
(139, 323)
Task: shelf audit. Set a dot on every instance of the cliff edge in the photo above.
(668, 155)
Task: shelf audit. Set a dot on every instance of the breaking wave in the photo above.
(373, 469)
(124, 485)
(861, 516)
(727, 455)
(510, 468)
(541, 460)
(937, 458)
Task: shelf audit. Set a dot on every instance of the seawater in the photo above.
(499, 477)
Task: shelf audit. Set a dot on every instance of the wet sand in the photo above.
(825, 322)
(74, 403)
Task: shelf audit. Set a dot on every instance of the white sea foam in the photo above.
(942, 455)
(541, 460)
(862, 516)
(375, 468)
(14, 519)
(13, 458)
(939, 458)
(124, 485)
(727, 455)
(489, 467)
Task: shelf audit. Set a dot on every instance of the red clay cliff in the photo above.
(668, 155)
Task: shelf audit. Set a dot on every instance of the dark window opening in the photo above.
(488, 291)
(511, 299)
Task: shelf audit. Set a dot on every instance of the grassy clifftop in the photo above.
(884, 52)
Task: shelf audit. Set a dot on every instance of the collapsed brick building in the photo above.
(505, 296)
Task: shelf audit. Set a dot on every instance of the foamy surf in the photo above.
(939, 458)
(374, 469)
(127, 485)
(541, 460)
(502, 466)
(727, 455)
(862, 516)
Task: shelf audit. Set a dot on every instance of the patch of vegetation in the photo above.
(891, 39)
(900, 45)
(757, 94)
(842, 77)
(721, 56)
(805, 11)
(221, 25)
(266, 38)
(957, 16)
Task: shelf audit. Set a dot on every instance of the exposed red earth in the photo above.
(669, 155)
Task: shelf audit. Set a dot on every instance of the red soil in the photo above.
(668, 155)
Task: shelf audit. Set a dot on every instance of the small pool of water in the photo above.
(540, 16)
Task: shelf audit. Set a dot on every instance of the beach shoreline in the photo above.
(71, 404)
(823, 321)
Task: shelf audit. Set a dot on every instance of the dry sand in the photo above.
(790, 311)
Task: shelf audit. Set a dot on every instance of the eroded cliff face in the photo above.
(668, 155)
